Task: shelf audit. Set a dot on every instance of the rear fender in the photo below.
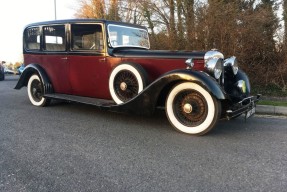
(35, 69)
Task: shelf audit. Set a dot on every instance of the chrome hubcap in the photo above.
(187, 108)
(123, 86)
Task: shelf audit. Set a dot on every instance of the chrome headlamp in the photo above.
(213, 63)
(232, 63)
(214, 67)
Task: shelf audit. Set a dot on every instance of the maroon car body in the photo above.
(108, 64)
(69, 73)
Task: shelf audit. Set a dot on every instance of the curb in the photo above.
(271, 110)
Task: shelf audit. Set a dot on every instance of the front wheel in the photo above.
(191, 109)
(36, 92)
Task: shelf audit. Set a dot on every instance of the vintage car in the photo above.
(109, 65)
(20, 69)
(2, 72)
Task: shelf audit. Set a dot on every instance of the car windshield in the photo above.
(124, 36)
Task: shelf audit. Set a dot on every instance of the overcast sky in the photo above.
(16, 14)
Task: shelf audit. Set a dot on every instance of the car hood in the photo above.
(157, 54)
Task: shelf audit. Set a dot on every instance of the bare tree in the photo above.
(98, 9)
(188, 10)
(91, 9)
(113, 13)
(172, 34)
(180, 28)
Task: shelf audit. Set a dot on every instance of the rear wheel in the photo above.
(126, 81)
(191, 109)
(36, 92)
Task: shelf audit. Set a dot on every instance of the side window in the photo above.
(32, 39)
(54, 37)
(87, 37)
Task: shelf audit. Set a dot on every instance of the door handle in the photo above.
(102, 60)
(64, 58)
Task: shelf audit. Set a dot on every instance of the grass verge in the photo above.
(273, 103)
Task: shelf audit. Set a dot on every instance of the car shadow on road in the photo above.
(156, 121)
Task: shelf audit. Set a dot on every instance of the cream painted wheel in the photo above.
(191, 109)
(126, 81)
(36, 92)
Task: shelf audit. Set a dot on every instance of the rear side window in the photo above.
(54, 38)
(87, 37)
(32, 38)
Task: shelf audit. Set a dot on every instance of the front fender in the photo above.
(199, 77)
(147, 100)
(241, 75)
(35, 69)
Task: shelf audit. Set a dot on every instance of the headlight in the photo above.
(213, 63)
(212, 54)
(214, 67)
(232, 63)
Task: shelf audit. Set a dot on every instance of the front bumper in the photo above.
(246, 106)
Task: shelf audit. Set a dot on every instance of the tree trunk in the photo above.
(189, 17)
(180, 37)
(148, 15)
(114, 11)
(173, 44)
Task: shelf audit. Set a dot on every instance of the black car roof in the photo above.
(73, 21)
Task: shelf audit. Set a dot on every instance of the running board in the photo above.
(84, 100)
(140, 105)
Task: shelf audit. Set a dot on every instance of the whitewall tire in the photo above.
(36, 92)
(126, 81)
(191, 109)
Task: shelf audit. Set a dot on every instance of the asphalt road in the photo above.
(73, 147)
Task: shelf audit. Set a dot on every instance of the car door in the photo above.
(88, 67)
(54, 58)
